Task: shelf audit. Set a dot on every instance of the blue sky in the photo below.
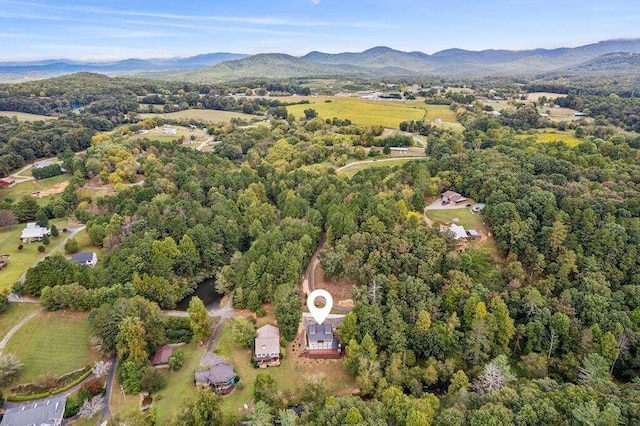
(115, 29)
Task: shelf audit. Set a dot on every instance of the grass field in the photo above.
(20, 190)
(21, 260)
(360, 111)
(23, 116)
(548, 136)
(13, 315)
(202, 115)
(351, 171)
(465, 217)
(52, 343)
(179, 388)
(290, 375)
(535, 96)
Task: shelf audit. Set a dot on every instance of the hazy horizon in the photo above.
(101, 30)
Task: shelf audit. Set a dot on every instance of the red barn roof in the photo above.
(162, 355)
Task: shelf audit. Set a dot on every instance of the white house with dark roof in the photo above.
(43, 413)
(267, 346)
(321, 341)
(88, 258)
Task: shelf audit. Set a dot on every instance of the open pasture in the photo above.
(24, 116)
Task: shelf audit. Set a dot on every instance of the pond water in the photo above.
(204, 291)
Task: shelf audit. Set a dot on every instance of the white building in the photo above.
(33, 232)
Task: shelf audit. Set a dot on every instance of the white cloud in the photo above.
(315, 2)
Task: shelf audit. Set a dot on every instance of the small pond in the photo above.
(204, 291)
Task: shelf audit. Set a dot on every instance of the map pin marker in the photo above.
(320, 314)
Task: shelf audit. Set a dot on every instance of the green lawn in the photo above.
(290, 375)
(21, 260)
(84, 244)
(13, 315)
(25, 189)
(202, 115)
(23, 116)
(351, 171)
(179, 387)
(53, 343)
(179, 384)
(465, 217)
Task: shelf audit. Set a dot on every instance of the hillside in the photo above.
(377, 62)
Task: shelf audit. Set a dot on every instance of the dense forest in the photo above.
(540, 327)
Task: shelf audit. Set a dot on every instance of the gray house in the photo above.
(267, 346)
(220, 377)
(88, 258)
(321, 342)
(48, 412)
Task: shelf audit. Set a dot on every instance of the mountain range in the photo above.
(612, 56)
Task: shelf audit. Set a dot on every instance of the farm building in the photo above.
(88, 258)
(400, 149)
(33, 232)
(161, 357)
(267, 346)
(48, 412)
(220, 377)
(452, 197)
(7, 182)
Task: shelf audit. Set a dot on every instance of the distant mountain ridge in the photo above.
(377, 62)
(53, 67)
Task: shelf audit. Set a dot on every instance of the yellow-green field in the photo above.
(351, 171)
(203, 115)
(535, 96)
(23, 116)
(52, 343)
(549, 136)
(360, 111)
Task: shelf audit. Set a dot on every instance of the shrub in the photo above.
(176, 360)
(10, 366)
(72, 408)
(41, 248)
(20, 247)
(54, 231)
(46, 240)
(71, 246)
(152, 380)
(93, 386)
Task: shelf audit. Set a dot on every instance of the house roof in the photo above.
(458, 231)
(47, 412)
(221, 372)
(83, 257)
(454, 196)
(473, 233)
(7, 180)
(34, 231)
(162, 355)
(268, 340)
(316, 332)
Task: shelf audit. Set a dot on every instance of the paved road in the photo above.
(106, 411)
(339, 169)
